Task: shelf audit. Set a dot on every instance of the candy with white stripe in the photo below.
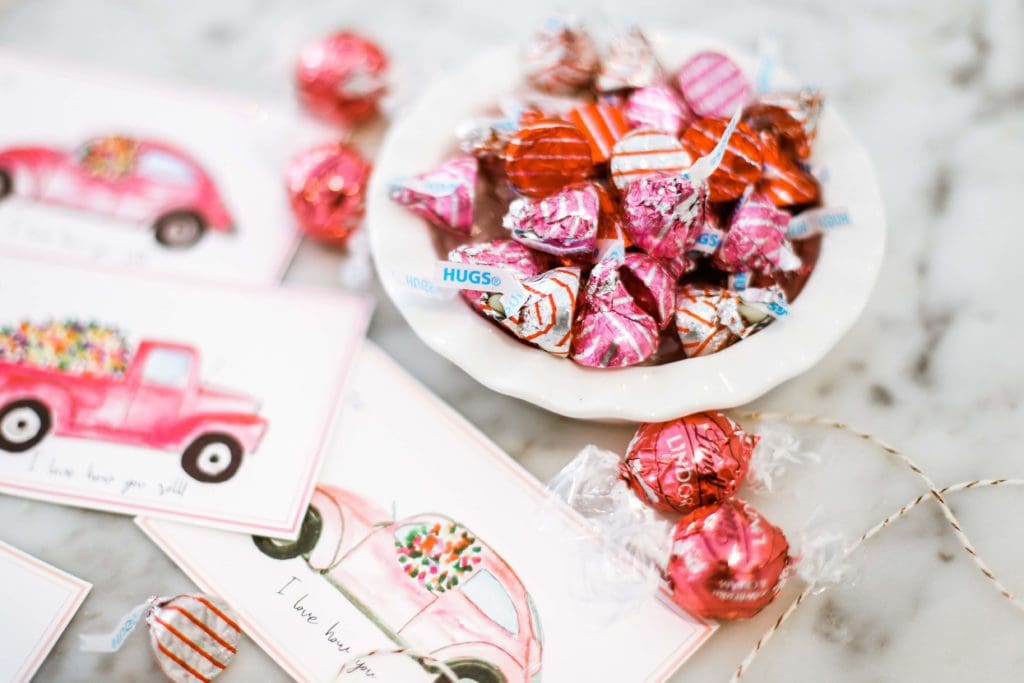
(545, 155)
(564, 223)
(630, 63)
(644, 151)
(194, 637)
(658, 107)
(443, 196)
(603, 124)
(757, 230)
(664, 213)
(545, 319)
(708, 319)
(712, 84)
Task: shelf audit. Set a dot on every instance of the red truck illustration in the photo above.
(427, 583)
(80, 381)
(142, 181)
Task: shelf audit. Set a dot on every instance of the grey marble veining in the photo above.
(935, 89)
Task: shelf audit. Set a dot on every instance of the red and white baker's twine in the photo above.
(934, 493)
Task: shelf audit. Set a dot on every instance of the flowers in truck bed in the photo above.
(70, 346)
(438, 555)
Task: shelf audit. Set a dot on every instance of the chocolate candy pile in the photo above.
(626, 198)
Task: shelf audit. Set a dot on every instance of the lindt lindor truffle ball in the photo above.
(326, 189)
(727, 561)
(341, 78)
(689, 462)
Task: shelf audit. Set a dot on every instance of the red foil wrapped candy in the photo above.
(664, 213)
(342, 77)
(727, 561)
(546, 155)
(563, 224)
(560, 58)
(689, 462)
(741, 163)
(603, 124)
(326, 188)
(444, 196)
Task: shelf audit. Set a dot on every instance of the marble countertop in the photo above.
(934, 88)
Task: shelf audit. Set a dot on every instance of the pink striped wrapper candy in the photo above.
(443, 196)
(651, 284)
(612, 330)
(630, 63)
(603, 125)
(754, 241)
(712, 84)
(664, 213)
(681, 265)
(708, 319)
(658, 107)
(560, 57)
(545, 319)
(507, 254)
(564, 223)
(193, 637)
(646, 151)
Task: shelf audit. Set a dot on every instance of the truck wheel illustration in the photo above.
(23, 424)
(6, 184)
(475, 670)
(179, 229)
(309, 534)
(212, 458)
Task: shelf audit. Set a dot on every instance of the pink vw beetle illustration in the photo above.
(82, 381)
(427, 583)
(142, 181)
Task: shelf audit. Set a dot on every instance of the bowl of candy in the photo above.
(638, 232)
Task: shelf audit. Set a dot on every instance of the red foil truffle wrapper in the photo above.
(546, 318)
(444, 196)
(741, 163)
(545, 155)
(657, 107)
(342, 78)
(193, 637)
(727, 561)
(712, 84)
(630, 63)
(689, 462)
(507, 254)
(665, 213)
(560, 58)
(326, 189)
(756, 237)
(563, 224)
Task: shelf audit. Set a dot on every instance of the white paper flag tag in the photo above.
(452, 275)
(112, 641)
(817, 221)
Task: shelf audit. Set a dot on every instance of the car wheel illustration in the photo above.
(23, 424)
(475, 670)
(6, 184)
(179, 229)
(212, 458)
(309, 534)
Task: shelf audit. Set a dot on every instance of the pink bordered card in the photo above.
(107, 170)
(38, 601)
(424, 537)
(201, 403)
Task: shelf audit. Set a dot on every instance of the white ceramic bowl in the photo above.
(831, 301)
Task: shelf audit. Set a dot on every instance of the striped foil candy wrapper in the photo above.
(629, 63)
(507, 254)
(708, 319)
(644, 151)
(784, 180)
(560, 58)
(564, 223)
(657, 107)
(657, 295)
(755, 238)
(603, 124)
(741, 162)
(712, 84)
(546, 318)
(664, 213)
(194, 637)
(612, 330)
(802, 108)
(443, 196)
(545, 155)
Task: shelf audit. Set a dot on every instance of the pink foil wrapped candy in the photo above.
(507, 254)
(664, 213)
(658, 107)
(342, 77)
(560, 58)
(443, 196)
(651, 284)
(546, 318)
(712, 85)
(754, 240)
(564, 223)
(708, 319)
(612, 330)
(688, 462)
(630, 63)
(327, 190)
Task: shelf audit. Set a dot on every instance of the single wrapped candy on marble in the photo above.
(708, 319)
(740, 165)
(629, 63)
(545, 319)
(194, 637)
(657, 107)
(612, 330)
(712, 84)
(664, 213)
(444, 196)
(561, 57)
(689, 462)
(564, 224)
(507, 254)
(727, 561)
(644, 151)
(754, 240)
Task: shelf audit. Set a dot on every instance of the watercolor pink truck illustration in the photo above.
(428, 583)
(142, 181)
(81, 381)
